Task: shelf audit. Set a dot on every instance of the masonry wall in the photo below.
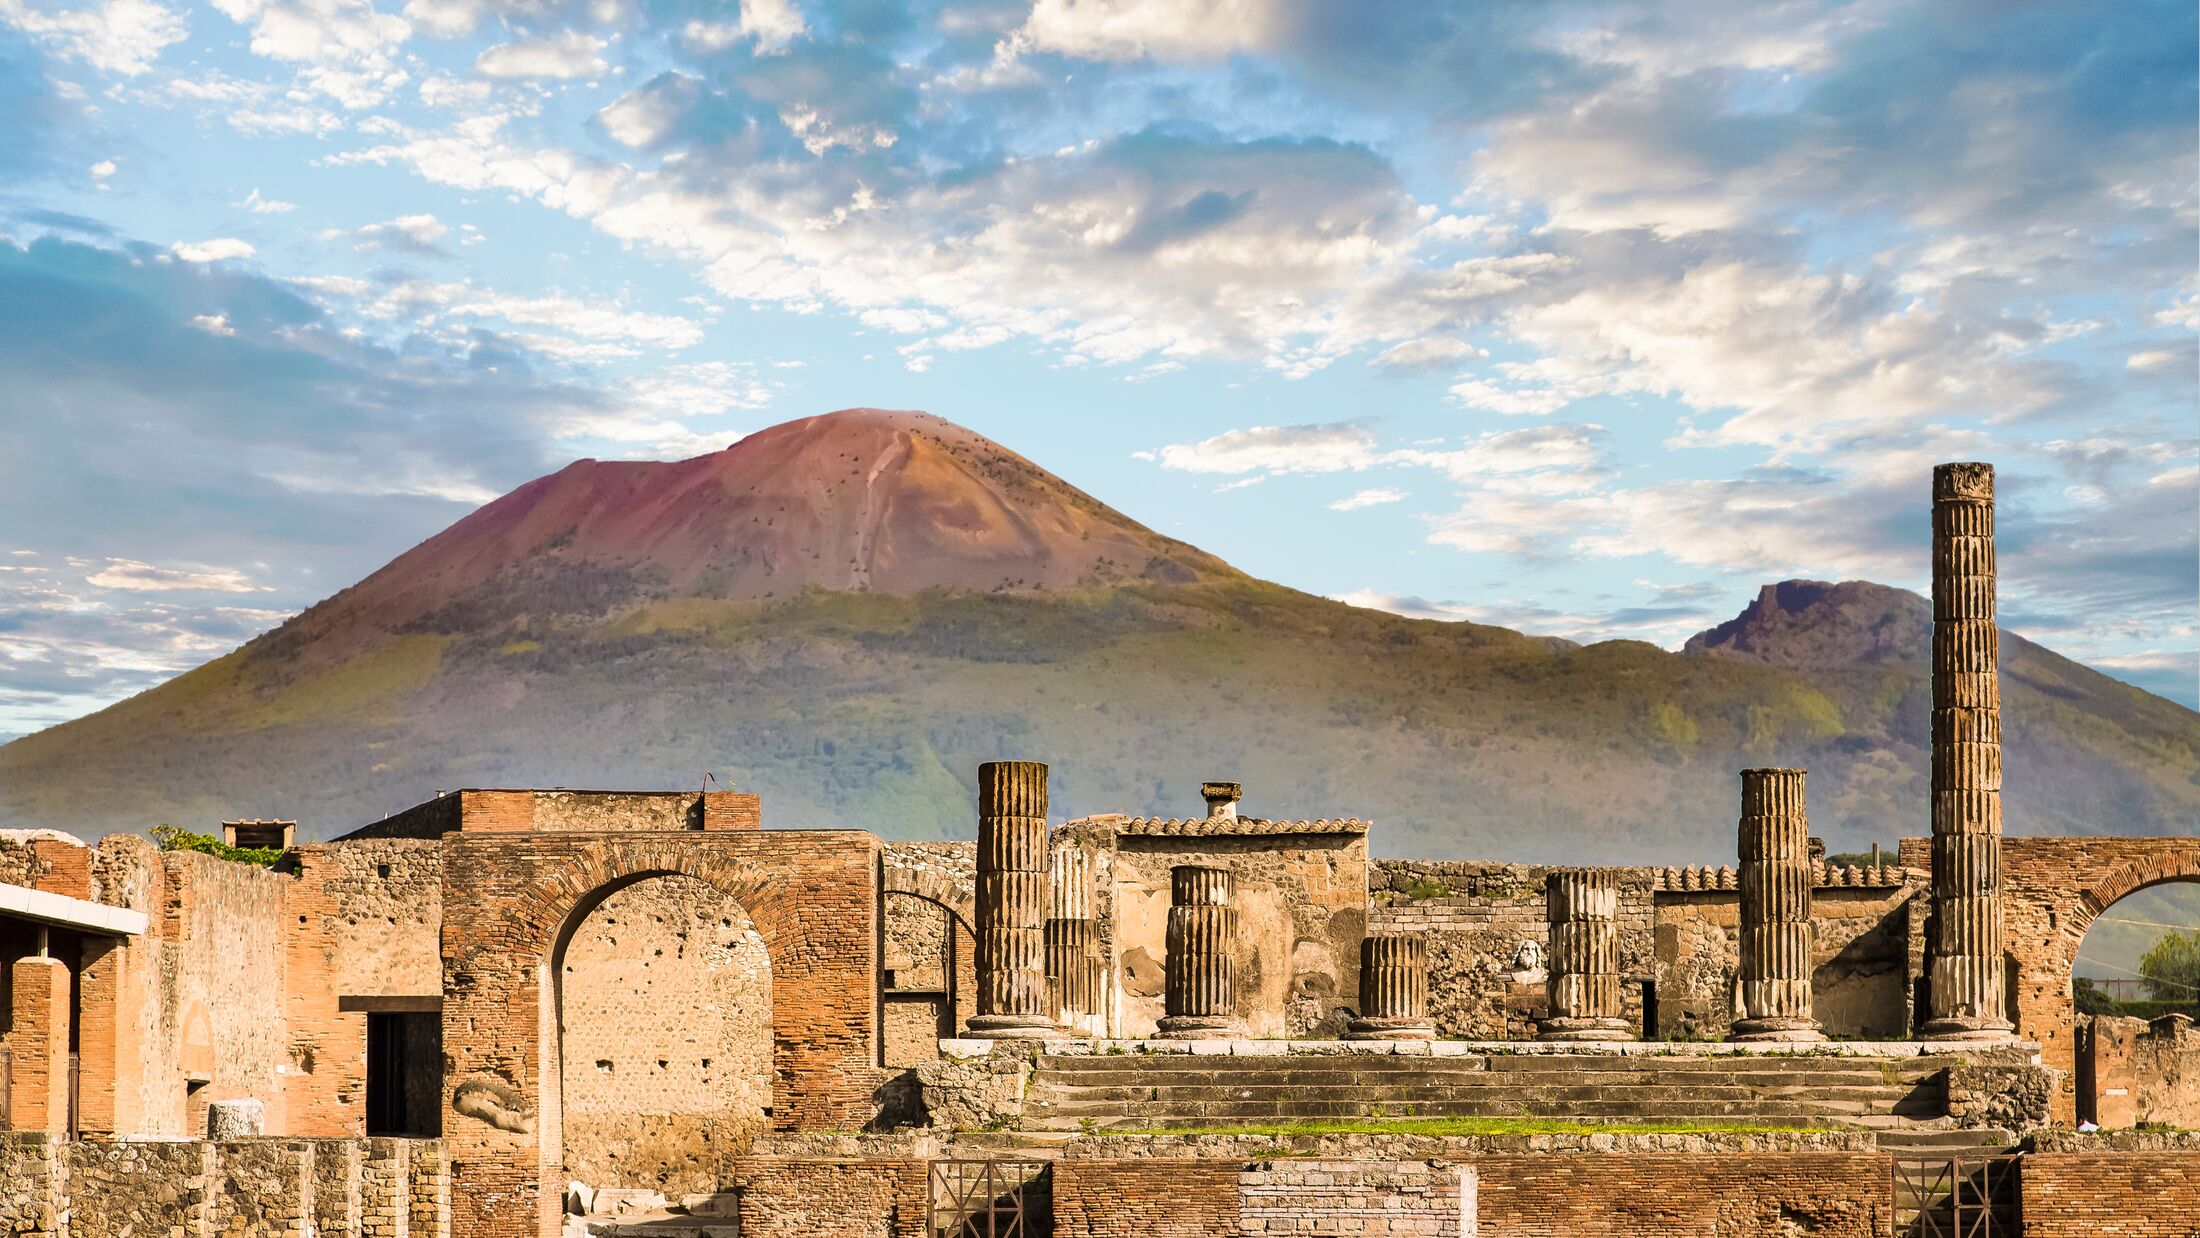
(2130, 1071)
(929, 983)
(1477, 916)
(1302, 910)
(2129, 1194)
(797, 1198)
(1145, 1199)
(223, 924)
(1859, 957)
(361, 920)
(665, 1002)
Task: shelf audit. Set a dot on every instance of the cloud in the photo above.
(219, 249)
(1127, 29)
(258, 205)
(344, 47)
(413, 234)
(768, 25)
(1368, 498)
(1274, 449)
(123, 37)
(1432, 353)
(133, 576)
(571, 54)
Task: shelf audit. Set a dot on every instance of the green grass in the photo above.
(1473, 1126)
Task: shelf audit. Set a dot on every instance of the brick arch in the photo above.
(2130, 878)
(901, 877)
(508, 902)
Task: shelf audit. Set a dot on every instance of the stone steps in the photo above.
(1186, 1091)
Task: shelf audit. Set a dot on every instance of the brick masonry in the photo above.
(789, 1197)
(2127, 1194)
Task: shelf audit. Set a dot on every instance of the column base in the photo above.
(1376, 1027)
(1583, 1029)
(1788, 1030)
(1960, 1027)
(1199, 1027)
(1011, 1027)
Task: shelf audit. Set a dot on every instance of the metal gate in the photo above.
(1956, 1197)
(991, 1199)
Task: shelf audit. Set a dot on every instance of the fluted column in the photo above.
(1583, 909)
(1772, 990)
(1963, 951)
(1393, 989)
(1073, 940)
(1012, 901)
(1202, 980)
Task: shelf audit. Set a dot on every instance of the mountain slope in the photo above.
(850, 612)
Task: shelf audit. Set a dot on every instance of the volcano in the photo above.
(849, 612)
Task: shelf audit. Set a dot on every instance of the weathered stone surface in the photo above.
(1583, 905)
(1773, 985)
(236, 1119)
(1012, 901)
(1202, 978)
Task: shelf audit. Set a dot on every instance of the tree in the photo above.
(2171, 967)
(2088, 998)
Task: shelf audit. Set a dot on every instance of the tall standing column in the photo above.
(1072, 941)
(1201, 988)
(1012, 901)
(1963, 949)
(1393, 989)
(1582, 905)
(1772, 991)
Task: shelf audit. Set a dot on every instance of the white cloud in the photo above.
(129, 574)
(114, 36)
(2152, 359)
(416, 233)
(1428, 353)
(769, 24)
(258, 205)
(1368, 498)
(219, 249)
(103, 169)
(642, 116)
(1128, 29)
(1274, 449)
(213, 324)
(345, 47)
(570, 54)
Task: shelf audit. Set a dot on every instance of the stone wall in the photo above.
(1145, 1199)
(928, 968)
(798, 1198)
(1353, 1198)
(665, 1005)
(1477, 916)
(529, 811)
(250, 1188)
(1302, 910)
(221, 1005)
(2131, 1071)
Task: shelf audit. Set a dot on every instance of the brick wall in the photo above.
(665, 996)
(2129, 1194)
(1668, 1195)
(1145, 1199)
(2130, 1071)
(1420, 1198)
(795, 1198)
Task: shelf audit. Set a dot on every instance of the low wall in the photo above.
(276, 1187)
(2152, 1193)
(2132, 1071)
(778, 1197)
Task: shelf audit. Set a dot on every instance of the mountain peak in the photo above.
(891, 501)
(1817, 623)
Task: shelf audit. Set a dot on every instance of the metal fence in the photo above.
(991, 1199)
(1957, 1196)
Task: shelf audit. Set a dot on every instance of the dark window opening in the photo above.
(405, 1073)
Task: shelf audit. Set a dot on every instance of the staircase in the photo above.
(1960, 1183)
(1177, 1092)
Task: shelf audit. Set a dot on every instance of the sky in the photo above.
(1584, 318)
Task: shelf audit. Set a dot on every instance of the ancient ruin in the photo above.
(507, 1013)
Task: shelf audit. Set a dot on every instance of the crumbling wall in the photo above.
(1302, 910)
(222, 979)
(2132, 1071)
(2141, 1184)
(1486, 928)
(796, 1198)
(665, 1000)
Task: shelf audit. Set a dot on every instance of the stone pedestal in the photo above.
(1963, 944)
(1202, 982)
(1393, 989)
(1012, 902)
(235, 1119)
(1772, 991)
(1073, 942)
(1583, 909)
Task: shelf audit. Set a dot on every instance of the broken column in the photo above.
(1012, 901)
(1201, 989)
(1582, 906)
(1393, 989)
(1772, 989)
(1963, 939)
(1072, 941)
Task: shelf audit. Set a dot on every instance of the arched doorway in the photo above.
(664, 1037)
(2132, 972)
(927, 978)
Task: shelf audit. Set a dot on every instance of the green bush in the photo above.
(176, 838)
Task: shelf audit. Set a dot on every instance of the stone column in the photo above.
(1582, 905)
(1073, 941)
(1012, 901)
(1772, 990)
(1202, 980)
(1963, 949)
(1393, 989)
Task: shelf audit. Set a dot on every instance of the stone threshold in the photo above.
(966, 1048)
